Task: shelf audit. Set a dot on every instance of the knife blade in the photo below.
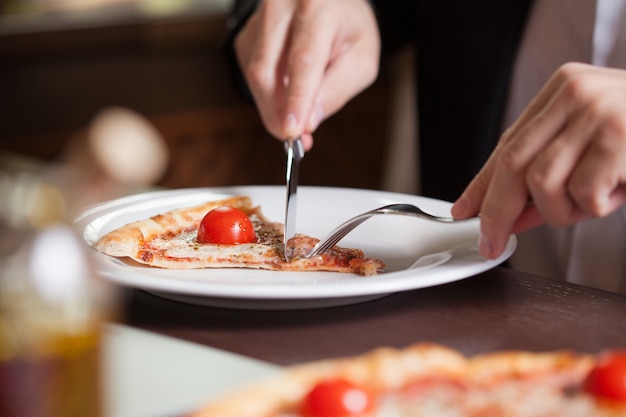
(295, 153)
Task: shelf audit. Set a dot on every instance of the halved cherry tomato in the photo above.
(337, 398)
(226, 225)
(608, 378)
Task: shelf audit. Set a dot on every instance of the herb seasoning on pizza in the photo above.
(229, 233)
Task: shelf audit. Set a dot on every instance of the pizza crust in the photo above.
(126, 240)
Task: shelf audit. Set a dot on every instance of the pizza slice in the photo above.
(228, 233)
(429, 380)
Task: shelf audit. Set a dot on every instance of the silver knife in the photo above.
(295, 152)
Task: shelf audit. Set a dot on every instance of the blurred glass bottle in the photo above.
(52, 307)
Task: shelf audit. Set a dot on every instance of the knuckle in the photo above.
(577, 89)
(256, 73)
(580, 88)
(536, 178)
(588, 198)
(588, 204)
(569, 69)
(511, 159)
(612, 132)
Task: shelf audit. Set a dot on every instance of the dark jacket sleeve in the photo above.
(396, 22)
(237, 18)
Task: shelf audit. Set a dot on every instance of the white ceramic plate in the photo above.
(418, 253)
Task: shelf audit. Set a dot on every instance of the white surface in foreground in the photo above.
(150, 375)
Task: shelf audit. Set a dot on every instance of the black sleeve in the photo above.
(396, 22)
(237, 18)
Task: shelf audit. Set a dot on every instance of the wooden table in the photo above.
(498, 309)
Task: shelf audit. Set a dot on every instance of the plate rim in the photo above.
(382, 285)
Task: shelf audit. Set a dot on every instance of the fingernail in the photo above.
(291, 125)
(485, 246)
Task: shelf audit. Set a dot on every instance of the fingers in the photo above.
(578, 174)
(470, 202)
(343, 79)
(519, 176)
(304, 60)
(548, 174)
(260, 49)
(597, 183)
(500, 192)
(353, 63)
(309, 54)
(566, 154)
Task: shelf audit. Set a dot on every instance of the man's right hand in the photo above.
(304, 60)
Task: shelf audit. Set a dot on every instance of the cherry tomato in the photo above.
(608, 378)
(226, 225)
(336, 398)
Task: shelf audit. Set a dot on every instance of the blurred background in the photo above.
(102, 98)
(64, 61)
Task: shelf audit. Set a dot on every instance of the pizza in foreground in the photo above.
(427, 380)
(228, 233)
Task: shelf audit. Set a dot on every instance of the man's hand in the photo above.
(562, 161)
(305, 59)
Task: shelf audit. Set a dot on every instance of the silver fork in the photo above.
(402, 209)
